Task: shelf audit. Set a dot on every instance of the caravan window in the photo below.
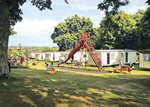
(121, 54)
(112, 56)
(146, 57)
(36, 55)
(47, 56)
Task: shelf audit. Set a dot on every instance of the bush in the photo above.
(36, 59)
(46, 59)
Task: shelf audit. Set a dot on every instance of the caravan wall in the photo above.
(145, 59)
(112, 58)
(54, 56)
(108, 57)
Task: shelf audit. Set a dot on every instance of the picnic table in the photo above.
(124, 68)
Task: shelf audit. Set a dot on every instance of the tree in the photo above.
(66, 34)
(105, 38)
(10, 13)
(46, 49)
(138, 16)
(12, 32)
(117, 34)
(144, 27)
(114, 4)
(137, 33)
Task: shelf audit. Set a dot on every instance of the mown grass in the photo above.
(137, 70)
(33, 87)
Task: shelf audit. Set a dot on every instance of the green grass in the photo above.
(33, 87)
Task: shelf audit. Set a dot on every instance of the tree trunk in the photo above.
(4, 35)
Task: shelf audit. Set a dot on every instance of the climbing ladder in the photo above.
(93, 53)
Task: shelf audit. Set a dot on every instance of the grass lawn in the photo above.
(33, 87)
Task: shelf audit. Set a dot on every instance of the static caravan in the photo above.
(77, 56)
(37, 55)
(65, 54)
(112, 57)
(52, 56)
(144, 58)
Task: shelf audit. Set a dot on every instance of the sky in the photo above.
(37, 26)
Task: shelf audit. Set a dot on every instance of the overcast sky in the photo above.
(37, 26)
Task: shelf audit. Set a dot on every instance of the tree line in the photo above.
(123, 31)
(35, 48)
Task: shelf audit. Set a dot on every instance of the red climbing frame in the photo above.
(84, 42)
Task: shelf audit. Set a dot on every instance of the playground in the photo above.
(75, 86)
(65, 88)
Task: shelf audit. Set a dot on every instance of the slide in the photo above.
(78, 46)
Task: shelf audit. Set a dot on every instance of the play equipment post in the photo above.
(80, 57)
(27, 56)
(85, 57)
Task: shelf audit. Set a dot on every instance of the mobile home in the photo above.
(37, 55)
(77, 56)
(112, 57)
(52, 56)
(144, 58)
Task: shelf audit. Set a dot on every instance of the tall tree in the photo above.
(115, 5)
(136, 34)
(66, 34)
(145, 30)
(116, 35)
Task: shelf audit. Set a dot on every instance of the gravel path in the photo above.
(83, 70)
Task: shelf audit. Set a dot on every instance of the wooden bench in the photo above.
(124, 68)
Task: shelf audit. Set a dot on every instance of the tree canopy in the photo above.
(46, 49)
(115, 5)
(66, 34)
(15, 11)
(12, 32)
(125, 31)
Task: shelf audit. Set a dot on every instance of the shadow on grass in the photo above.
(36, 88)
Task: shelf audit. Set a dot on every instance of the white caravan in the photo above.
(112, 57)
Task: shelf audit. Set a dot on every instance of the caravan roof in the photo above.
(116, 50)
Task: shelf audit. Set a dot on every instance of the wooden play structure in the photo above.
(84, 43)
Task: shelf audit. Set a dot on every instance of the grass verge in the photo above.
(33, 87)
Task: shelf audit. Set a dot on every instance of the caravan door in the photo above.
(108, 58)
(53, 56)
(126, 57)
